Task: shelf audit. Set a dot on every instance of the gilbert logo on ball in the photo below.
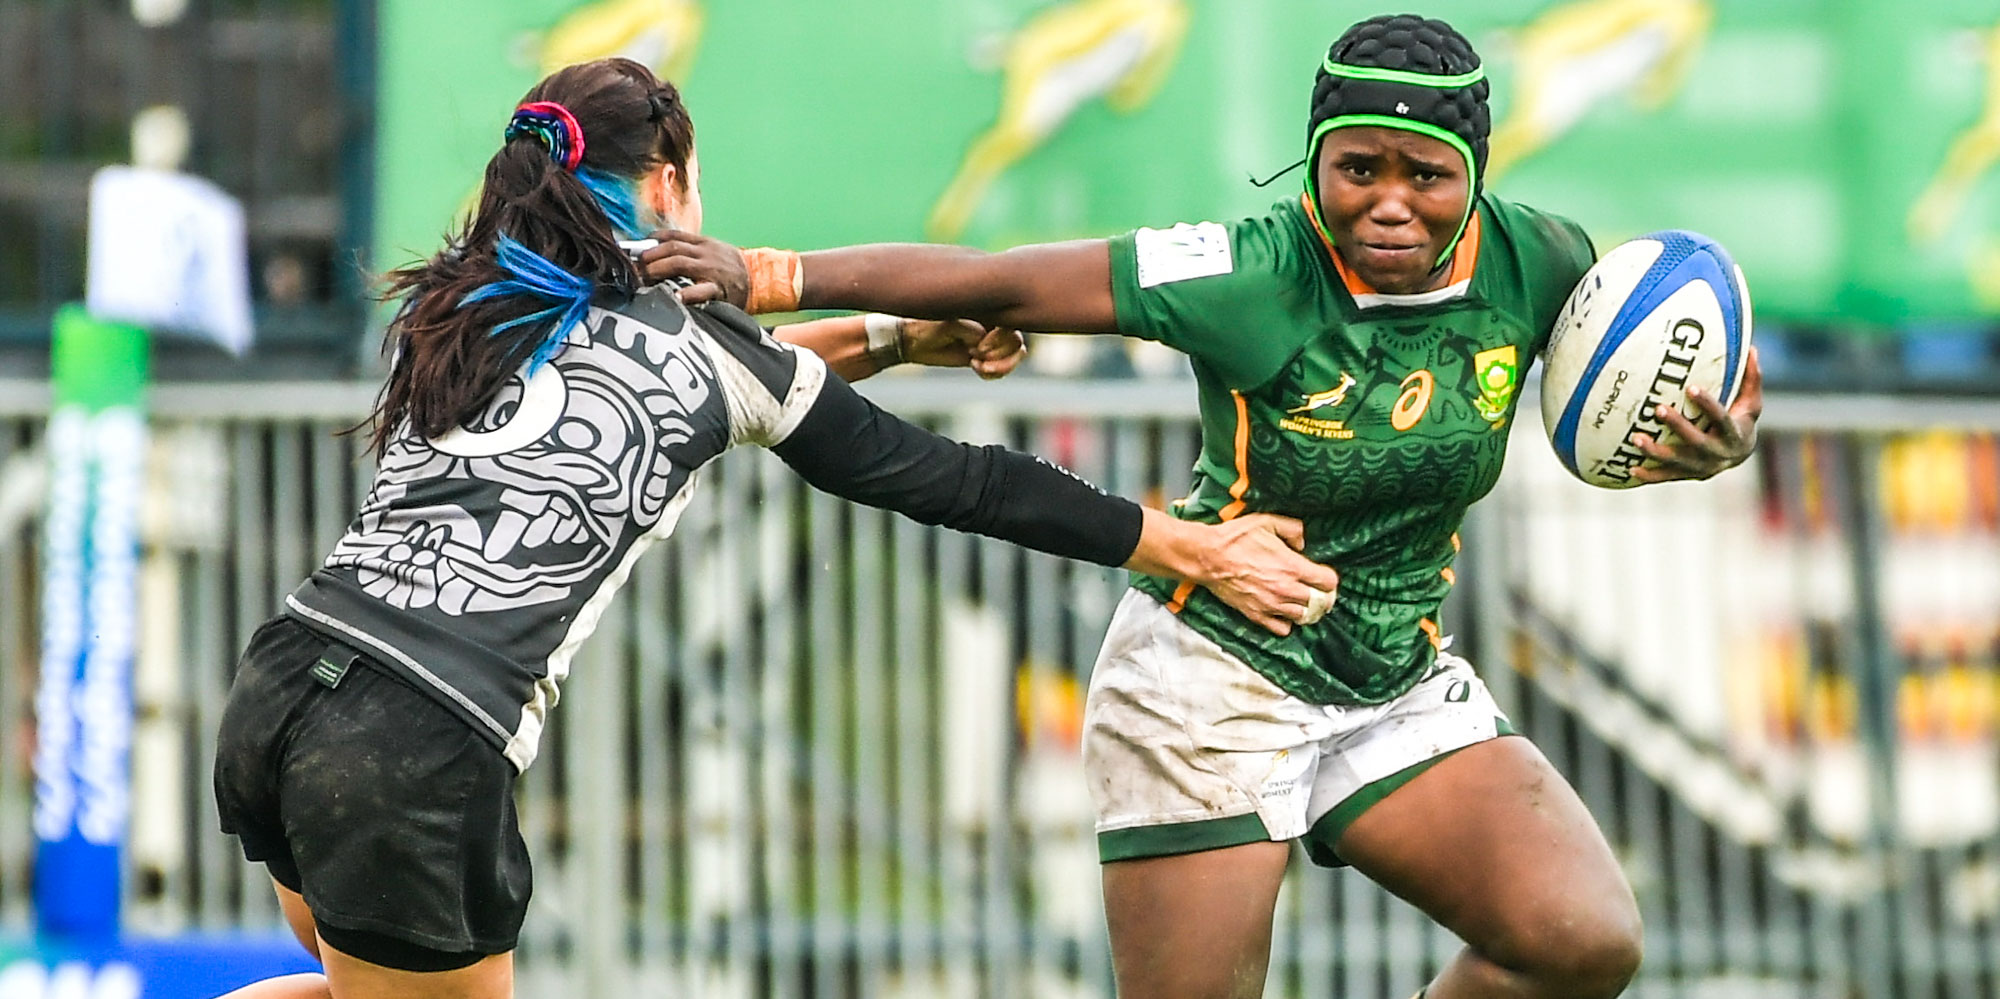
(1656, 315)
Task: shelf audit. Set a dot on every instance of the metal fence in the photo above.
(818, 750)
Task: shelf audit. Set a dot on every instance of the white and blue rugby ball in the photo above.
(1653, 316)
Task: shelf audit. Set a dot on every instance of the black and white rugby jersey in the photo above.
(482, 559)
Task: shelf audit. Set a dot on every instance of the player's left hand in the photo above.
(958, 343)
(1699, 454)
(716, 270)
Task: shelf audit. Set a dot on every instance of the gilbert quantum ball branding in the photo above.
(1656, 315)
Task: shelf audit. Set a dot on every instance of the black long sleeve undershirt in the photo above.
(848, 446)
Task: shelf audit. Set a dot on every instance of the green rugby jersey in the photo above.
(1374, 419)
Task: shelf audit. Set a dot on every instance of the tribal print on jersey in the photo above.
(481, 560)
(592, 468)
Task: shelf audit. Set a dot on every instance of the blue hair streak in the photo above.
(538, 277)
(616, 197)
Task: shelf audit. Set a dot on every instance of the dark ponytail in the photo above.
(551, 212)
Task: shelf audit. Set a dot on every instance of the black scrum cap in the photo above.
(1403, 71)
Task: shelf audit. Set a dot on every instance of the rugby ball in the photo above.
(1652, 317)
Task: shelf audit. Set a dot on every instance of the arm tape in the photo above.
(852, 448)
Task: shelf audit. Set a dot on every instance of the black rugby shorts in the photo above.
(391, 816)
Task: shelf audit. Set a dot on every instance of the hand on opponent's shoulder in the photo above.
(709, 270)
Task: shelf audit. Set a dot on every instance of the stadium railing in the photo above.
(819, 750)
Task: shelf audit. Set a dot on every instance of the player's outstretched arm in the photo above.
(848, 446)
(1252, 563)
(1054, 287)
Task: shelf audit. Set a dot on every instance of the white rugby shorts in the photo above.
(1186, 748)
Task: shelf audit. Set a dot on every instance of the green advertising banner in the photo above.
(1845, 153)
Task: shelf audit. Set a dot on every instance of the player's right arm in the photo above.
(1222, 294)
(1052, 287)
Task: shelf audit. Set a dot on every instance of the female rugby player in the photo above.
(1357, 351)
(542, 425)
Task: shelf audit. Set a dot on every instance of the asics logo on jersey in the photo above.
(1415, 399)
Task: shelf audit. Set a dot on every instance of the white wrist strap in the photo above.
(885, 339)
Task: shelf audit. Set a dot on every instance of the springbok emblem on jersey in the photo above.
(1331, 397)
(1971, 156)
(659, 33)
(1071, 53)
(1578, 55)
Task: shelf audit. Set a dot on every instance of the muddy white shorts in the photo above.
(1187, 748)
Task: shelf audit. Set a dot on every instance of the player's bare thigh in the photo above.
(298, 917)
(352, 978)
(1195, 925)
(311, 985)
(1495, 846)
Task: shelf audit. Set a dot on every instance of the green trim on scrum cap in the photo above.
(1437, 80)
(1419, 127)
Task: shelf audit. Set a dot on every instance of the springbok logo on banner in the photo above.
(1972, 155)
(1119, 50)
(1576, 56)
(1971, 158)
(663, 34)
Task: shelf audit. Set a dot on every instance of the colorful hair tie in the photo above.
(554, 127)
